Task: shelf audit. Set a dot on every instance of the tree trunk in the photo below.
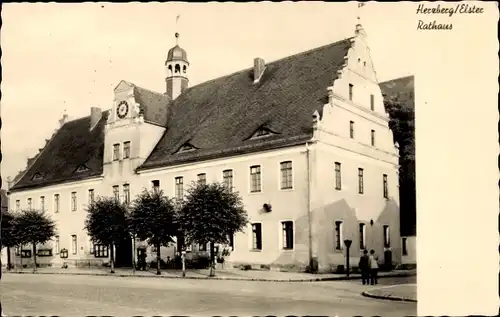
(158, 259)
(212, 259)
(112, 258)
(34, 256)
(21, 256)
(9, 259)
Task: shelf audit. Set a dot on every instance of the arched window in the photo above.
(184, 69)
(177, 68)
(170, 70)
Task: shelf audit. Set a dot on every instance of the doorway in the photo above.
(123, 257)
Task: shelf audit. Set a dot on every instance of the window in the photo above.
(372, 102)
(387, 240)
(42, 203)
(91, 247)
(338, 176)
(30, 205)
(203, 247)
(56, 203)
(202, 179)
(404, 246)
(179, 187)
(362, 236)
(255, 179)
(386, 189)
(257, 236)
(227, 177)
(44, 252)
(287, 231)
(351, 88)
(101, 251)
(338, 235)
(18, 251)
(116, 192)
(25, 253)
(116, 152)
(286, 175)
(74, 245)
(91, 196)
(126, 149)
(156, 185)
(351, 129)
(18, 205)
(73, 201)
(56, 245)
(360, 181)
(373, 137)
(126, 193)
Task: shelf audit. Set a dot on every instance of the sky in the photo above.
(69, 57)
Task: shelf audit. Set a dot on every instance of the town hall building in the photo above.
(305, 140)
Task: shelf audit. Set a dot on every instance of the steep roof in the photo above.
(153, 105)
(219, 116)
(402, 88)
(73, 146)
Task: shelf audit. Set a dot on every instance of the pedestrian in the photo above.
(364, 267)
(373, 267)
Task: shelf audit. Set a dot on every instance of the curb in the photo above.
(319, 279)
(393, 298)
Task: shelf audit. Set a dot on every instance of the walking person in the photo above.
(373, 267)
(364, 267)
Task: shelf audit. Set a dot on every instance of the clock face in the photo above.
(122, 109)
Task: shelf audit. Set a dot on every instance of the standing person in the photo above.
(364, 267)
(373, 267)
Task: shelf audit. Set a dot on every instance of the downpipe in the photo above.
(309, 212)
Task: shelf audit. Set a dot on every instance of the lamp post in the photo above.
(347, 243)
(134, 251)
(183, 258)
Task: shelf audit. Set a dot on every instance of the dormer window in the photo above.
(186, 147)
(262, 132)
(37, 176)
(81, 168)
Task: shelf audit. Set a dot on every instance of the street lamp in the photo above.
(347, 243)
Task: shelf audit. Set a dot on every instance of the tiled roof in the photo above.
(72, 146)
(218, 117)
(153, 105)
(402, 88)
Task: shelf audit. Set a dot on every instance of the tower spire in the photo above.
(359, 30)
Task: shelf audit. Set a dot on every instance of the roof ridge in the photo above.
(149, 90)
(275, 61)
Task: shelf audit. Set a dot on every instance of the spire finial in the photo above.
(359, 27)
(177, 33)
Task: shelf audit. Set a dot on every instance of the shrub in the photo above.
(246, 267)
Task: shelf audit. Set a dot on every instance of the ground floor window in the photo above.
(26, 253)
(101, 251)
(257, 236)
(404, 246)
(44, 252)
(287, 231)
(338, 235)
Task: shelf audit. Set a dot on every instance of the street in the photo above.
(76, 295)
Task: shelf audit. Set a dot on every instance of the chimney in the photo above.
(63, 120)
(258, 69)
(95, 116)
(9, 182)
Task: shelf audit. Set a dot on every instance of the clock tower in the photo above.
(177, 67)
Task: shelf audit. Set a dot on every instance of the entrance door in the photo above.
(123, 257)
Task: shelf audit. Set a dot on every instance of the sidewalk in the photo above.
(403, 292)
(221, 274)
